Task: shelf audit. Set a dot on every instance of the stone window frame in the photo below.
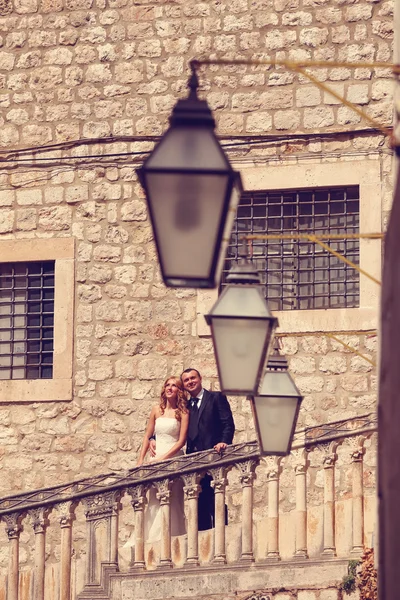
(366, 173)
(62, 251)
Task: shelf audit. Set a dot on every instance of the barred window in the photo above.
(26, 320)
(298, 274)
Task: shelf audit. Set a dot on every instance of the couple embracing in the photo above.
(203, 422)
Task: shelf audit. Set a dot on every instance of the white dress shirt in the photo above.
(199, 397)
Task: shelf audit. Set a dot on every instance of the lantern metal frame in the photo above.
(246, 276)
(276, 363)
(195, 113)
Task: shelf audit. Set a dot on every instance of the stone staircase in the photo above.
(294, 524)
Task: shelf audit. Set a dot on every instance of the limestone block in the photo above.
(259, 122)
(134, 211)
(76, 193)
(354, 383)
(359, 94)
(105, 253)
(382, 89)
(306, 595)
(276, 98)
(308, 95)
(320, 116)
(108, 17)
(297, 18)
(111, 423)
(6, 220)
(100, 273)
(115, 234)
(314, 36)
(109, 311)
(126, 368)
(101, 369)
(278, 40)
(358, 13)
(152, 368)
(302, 364)
(138, 310)
(331, 594)
(329, 15)
(26, 219)
(360, 365)
(125, 274)
(287, 119)
(55, 219)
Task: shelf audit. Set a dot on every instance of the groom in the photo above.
(210, 426)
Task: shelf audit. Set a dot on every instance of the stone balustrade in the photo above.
(318, 503)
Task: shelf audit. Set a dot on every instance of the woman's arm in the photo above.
(148, 433)
(182, 438)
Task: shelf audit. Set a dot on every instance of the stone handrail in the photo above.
(100, 497)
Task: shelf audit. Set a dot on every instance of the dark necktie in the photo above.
(194, 418)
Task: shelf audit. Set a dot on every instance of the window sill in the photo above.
(35, 390)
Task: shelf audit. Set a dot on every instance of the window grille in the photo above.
(26, 320)
(297, 274)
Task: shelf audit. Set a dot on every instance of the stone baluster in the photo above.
(101, 508)
(65, 517)
(357, 452)
(219, 484)
(192, 490)
(329, 502)
(164, 496)
(247, 476)
(300, 466)
(39, 524)
(13, 530)
(273, 465)
(138, 495)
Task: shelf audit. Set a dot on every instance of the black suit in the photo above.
(215, 424)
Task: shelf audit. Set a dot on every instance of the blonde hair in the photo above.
(181, 403)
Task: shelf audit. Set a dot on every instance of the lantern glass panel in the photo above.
(187, 213)
(241, 301)
(240, 347)
(278, 383)
(188, 148)
(275, 418)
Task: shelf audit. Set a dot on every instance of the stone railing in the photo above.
(74, 534)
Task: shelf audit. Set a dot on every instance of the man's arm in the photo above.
(226, 420)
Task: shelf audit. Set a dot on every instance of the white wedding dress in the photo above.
(167, 434)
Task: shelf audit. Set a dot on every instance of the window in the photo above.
(26, 320)
(298, 274)
(36, 319)
(352, 186)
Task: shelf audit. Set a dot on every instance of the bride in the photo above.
(168, 422)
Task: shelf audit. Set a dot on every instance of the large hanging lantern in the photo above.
(242, 327)
(276, 408)
(192, 194)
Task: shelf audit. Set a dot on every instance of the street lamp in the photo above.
(276, 407)
(192, 194)
(242, 327)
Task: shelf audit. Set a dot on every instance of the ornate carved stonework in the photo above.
(39, 519)
(273, 466)
(219, 480)
(13, 526)
(299, 460)
(247, 472)
(164, 491)
(101, 505)
(138, 495)
(191, 485)
(65, 513)
(356, 445)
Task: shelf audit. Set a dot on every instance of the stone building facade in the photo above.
(86, 88)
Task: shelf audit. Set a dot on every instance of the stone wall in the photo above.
(75, 72)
